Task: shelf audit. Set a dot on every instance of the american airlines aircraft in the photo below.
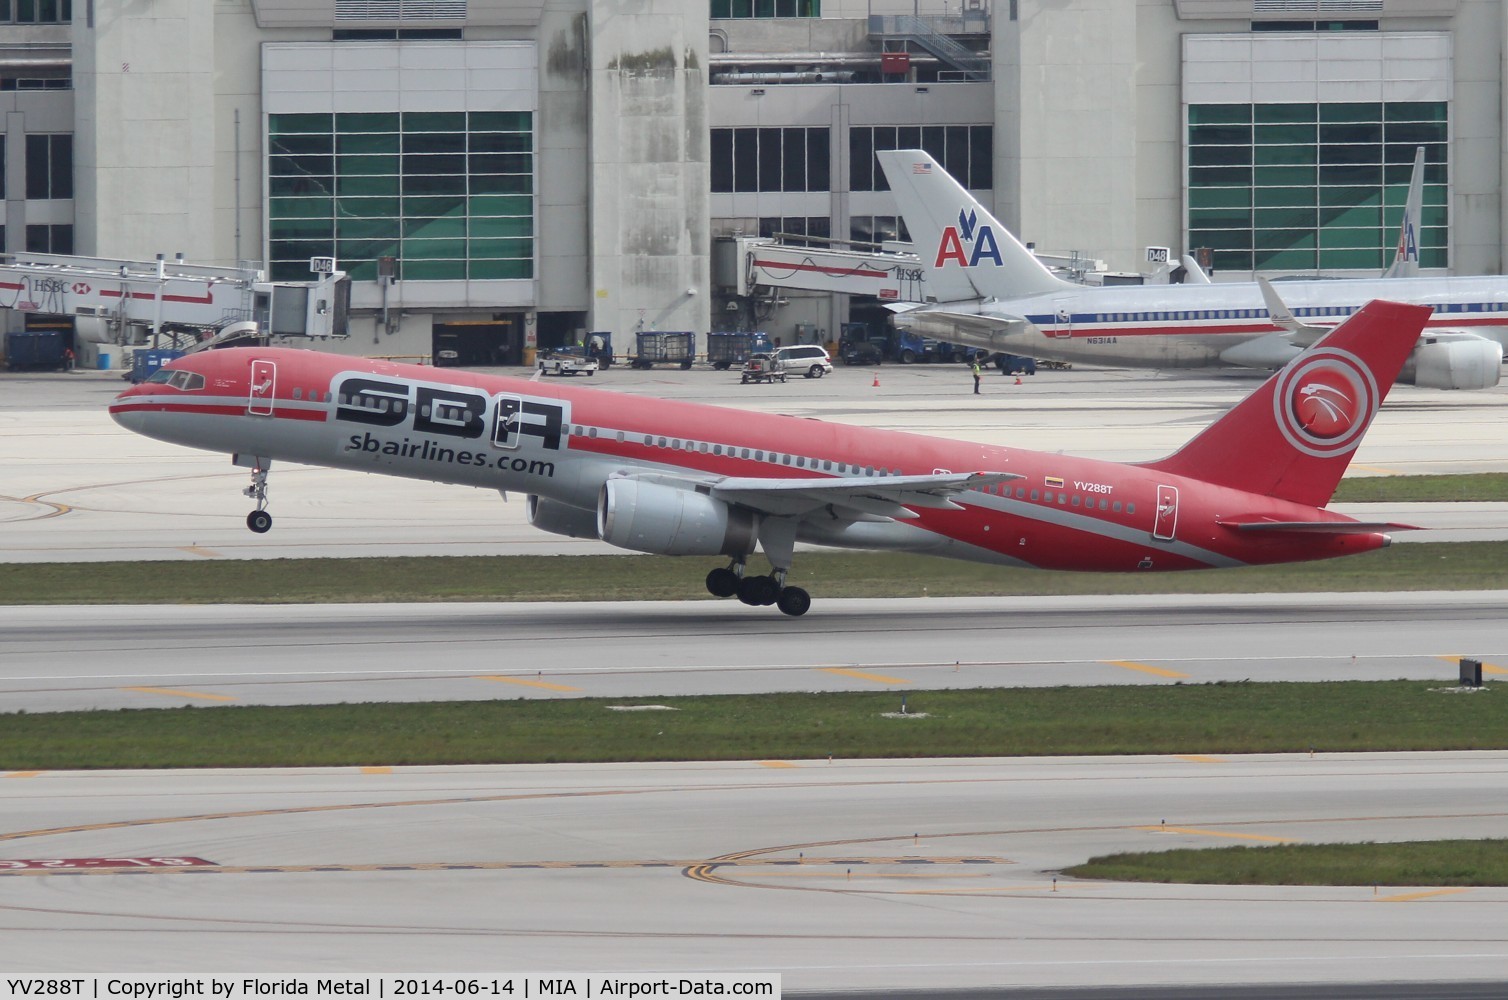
(1019, 307)
(678, 478)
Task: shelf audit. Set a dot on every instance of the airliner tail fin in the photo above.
(964, 248)
(1294, 437)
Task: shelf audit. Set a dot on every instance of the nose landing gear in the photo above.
(258, 520)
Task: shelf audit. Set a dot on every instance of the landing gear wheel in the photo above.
(258, 520)
(758, 591)
(794, 601)
(722, 582)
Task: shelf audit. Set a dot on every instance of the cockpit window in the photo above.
(187, 381)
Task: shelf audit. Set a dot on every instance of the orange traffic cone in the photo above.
(1018, 379)
(876, 380)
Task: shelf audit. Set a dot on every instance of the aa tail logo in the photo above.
(968, 232)
(1408, 241)
(1324, 402)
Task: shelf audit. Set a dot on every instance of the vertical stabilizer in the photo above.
(1406, 257)
(1293, 438)
(967, 253)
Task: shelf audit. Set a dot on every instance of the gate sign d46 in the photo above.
(322, 265)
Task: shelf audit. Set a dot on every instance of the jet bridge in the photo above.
(770, 264)
(172, 304)
(889, 272)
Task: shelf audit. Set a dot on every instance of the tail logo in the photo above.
(1408, 245)
(1324, 402)
(969, 233)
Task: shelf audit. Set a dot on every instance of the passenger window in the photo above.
(1130, 508)
(1116, 507)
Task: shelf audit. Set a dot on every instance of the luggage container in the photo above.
(35, 349)
(678, 348)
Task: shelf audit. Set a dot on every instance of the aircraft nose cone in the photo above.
(123, 412)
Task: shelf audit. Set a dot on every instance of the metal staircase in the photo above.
(908, 29)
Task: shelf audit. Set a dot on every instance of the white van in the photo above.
(807, 360)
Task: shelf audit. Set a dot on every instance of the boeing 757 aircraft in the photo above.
(1017, 306)
(680, 478)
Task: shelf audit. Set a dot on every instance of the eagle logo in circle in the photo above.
(1324, 402)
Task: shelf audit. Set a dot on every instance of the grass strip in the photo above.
(1485, 487)
(1222, 718)
(1416, 566)
(1417, 863)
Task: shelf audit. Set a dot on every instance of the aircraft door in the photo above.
(1166, 522)
(263, 388)
(1061, 327)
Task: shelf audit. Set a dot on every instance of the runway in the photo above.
(869, 876)
(62, 658)
(853, 875)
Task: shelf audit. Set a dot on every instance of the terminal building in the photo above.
(500, 175)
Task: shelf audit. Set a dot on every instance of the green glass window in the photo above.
(479, 269)
(502, 248)
(368, 164)
(300, 208)
(445, 227)
(282, 125)
(432, 189)
(1270, 114)
(1316, 186)
(434, 270)
(364, 142)
(501, 227)
(1220, 114)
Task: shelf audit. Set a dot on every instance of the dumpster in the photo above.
(678, 348)
(144, 363)
(35, 349)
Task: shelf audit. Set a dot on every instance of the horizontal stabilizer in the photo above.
(1317, 527)
(966, 329)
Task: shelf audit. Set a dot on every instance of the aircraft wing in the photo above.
(858, 498)
(1301, 333)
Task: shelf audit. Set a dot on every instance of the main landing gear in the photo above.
(757, 591)
(258, 520)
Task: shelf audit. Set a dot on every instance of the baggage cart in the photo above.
(677, 348)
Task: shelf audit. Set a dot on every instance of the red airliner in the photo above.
(678, 478)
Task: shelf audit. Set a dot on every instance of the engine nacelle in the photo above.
(670, 521)
(561, 518)
(1462, 361)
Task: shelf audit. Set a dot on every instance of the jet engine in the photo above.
(561, 518)
(1454, 361)
(672, 521)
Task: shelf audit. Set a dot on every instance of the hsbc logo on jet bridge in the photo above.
(452, 412)
(969, 233)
